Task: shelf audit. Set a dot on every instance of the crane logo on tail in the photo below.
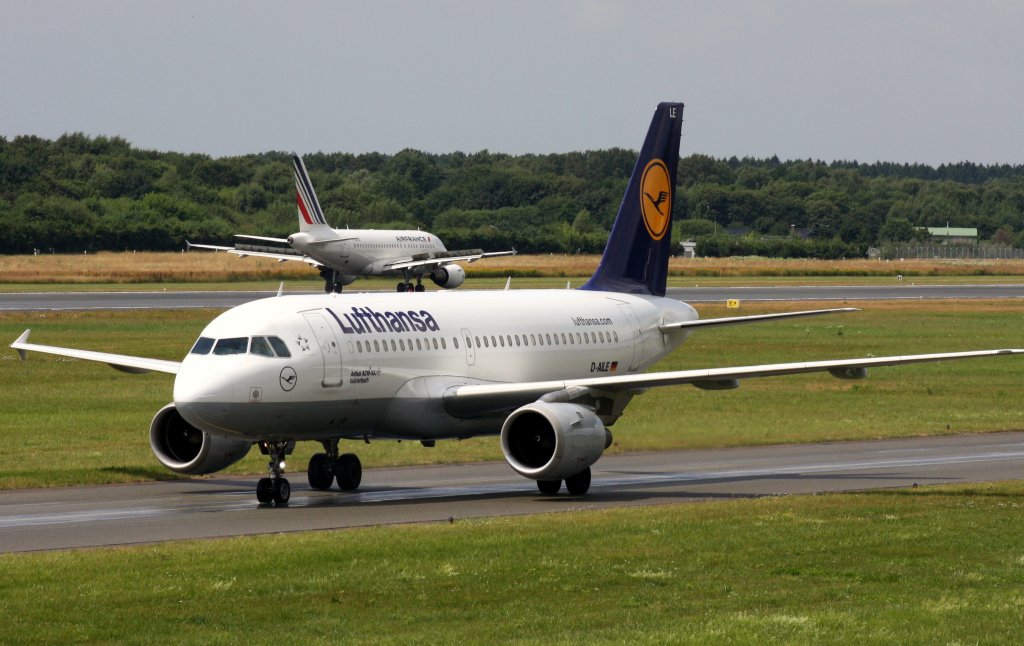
(656, 198)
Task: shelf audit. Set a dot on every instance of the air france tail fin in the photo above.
(311, 216)
(635, 258)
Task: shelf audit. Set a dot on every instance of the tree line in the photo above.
(80, 193)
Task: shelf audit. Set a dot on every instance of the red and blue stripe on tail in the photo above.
(310, 213)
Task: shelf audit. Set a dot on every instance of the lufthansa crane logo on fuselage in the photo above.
(656, 198)
(288, 378)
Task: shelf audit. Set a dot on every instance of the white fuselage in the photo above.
(378, 365)
(364, 252)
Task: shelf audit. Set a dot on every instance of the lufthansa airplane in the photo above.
(547, 370)
(342, 255)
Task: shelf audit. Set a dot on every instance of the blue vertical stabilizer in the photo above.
(635, 259)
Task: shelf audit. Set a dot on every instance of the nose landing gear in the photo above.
(276, 488)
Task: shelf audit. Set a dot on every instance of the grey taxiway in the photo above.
(75, 517)
(42, 301)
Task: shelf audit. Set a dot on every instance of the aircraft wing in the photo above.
(275, 255)
(733, 320)
(469, 399)
(443, 259)
(284, 254)
(262, 238)
(120, 362)
(190, 245)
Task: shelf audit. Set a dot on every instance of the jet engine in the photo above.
(549, 441)
(448, 276)
(184, 448)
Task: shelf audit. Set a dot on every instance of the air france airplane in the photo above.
(342, 255)
(546, 370)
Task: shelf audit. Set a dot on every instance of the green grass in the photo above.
(925, 566)
(74, 422)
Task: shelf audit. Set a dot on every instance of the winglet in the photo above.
(21, 341)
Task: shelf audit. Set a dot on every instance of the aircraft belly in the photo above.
(307, 420)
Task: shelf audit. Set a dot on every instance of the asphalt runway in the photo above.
(77, 517)
(45, 301)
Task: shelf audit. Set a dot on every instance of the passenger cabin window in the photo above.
(235, 345)
(202, 346)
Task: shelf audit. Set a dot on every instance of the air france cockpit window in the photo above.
(235, 345)
(202, 346)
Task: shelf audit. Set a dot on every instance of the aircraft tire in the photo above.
(265, 490)
(320, 472)
(401, 287)
(282, 491)
(549, 487)
(349, 471)
(578, 484)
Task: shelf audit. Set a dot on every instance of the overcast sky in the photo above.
(929, 81)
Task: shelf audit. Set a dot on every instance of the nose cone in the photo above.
(203, 394)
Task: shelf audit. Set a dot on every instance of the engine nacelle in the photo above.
(448, 276)
(184, 448)
(546, 441)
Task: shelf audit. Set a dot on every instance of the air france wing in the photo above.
(467, 400)
(410, 263)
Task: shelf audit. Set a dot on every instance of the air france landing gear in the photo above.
(331, 282)
(276, 488)
(405, 287)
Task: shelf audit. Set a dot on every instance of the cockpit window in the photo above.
(260, 346)
(279, 347)
(202, 346)
(236, 345)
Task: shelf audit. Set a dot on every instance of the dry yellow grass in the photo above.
(200, 266)
(146, 267)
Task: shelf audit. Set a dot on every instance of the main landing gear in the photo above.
(324, 468)
(409, 287)
(276, 488)
(406, 286)
(331, 282)
(577, 485)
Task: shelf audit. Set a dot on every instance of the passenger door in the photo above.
(330, 349)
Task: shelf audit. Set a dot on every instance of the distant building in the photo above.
(689, 248)
(952, 235)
